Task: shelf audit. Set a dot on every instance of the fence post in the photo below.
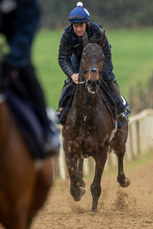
(138, 136)
(131, 142)
(61, 160)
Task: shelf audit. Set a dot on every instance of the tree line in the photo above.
(110, 13)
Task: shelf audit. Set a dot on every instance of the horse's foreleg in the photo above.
(76, 190)
(121, 178)
(80, 172)
(95, 186)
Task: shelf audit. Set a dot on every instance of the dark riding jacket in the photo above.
(18, 23)
(70, 44)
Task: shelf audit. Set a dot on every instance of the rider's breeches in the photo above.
(114, 88)
(109, 77)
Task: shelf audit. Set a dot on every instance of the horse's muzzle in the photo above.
(92, 86)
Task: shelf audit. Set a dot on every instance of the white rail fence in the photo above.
(140, 140)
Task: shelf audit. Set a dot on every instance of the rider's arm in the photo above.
(107, 53)
(97, 36)
(26, 22)
(64, 56)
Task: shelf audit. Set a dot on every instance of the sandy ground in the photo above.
(126, 208)
(130, 207)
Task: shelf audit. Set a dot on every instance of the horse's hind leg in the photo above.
(76, 189)
(95, 186)
(118, 144)
(121, 178)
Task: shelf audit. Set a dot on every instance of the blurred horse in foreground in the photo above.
(24, 181)
(88, 127)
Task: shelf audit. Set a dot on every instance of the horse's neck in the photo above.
(84, 102)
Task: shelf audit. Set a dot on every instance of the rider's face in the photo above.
(79, 28)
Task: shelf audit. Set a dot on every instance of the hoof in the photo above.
(82, 192)
(83, 184)
(126, 184)
(94, 209)
(94, 206)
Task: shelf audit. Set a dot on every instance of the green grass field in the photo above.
(132, 53)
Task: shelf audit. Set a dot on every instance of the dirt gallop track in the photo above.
(130, 208)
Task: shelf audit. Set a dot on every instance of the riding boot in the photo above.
(121, 112)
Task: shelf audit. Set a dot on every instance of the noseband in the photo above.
(89, 70)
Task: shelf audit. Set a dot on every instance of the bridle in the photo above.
(93, 69)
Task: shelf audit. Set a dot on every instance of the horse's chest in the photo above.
(86, 141)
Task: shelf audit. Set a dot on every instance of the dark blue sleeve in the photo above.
(25, 25)
(65, 54)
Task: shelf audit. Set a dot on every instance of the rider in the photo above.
(70, 51)
(19, 20)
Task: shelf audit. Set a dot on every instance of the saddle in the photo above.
(28, 124)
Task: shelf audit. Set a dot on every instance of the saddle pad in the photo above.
(124, 106)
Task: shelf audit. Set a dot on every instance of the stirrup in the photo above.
(59, 112)
(122, 117)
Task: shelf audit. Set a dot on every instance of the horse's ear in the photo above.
(85, 39)
(103, 38)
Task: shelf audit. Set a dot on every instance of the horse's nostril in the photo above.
(97, 82)
(93, 83)
(89, 82)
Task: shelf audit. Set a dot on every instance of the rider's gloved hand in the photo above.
(75, 77)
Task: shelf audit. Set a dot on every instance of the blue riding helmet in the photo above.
(79, 14)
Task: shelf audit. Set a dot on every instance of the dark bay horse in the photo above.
(88, 128)
(24, 182)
